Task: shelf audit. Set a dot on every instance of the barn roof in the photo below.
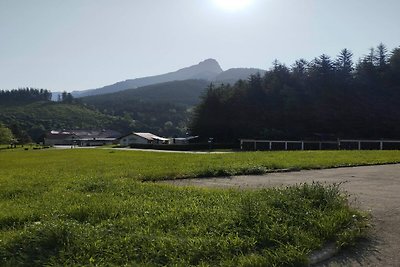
(83, 134)
(147, 136)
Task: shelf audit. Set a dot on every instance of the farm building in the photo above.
(142, 138)
(81, 137)
(182, 140)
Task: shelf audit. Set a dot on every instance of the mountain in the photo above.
(185, 93)
(233, 75)
(205, 70)
(208, 70)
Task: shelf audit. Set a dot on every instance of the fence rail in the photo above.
(340, 144)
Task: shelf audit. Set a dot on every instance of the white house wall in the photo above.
(132, 139)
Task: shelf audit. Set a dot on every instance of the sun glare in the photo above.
(232, 5)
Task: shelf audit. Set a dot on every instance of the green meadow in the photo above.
(93, 207)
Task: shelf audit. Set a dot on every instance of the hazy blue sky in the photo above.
(83, 44)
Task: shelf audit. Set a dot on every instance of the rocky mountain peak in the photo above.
(210, 65)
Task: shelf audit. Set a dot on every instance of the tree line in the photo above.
(322, 99)
(24, 96)
(30, 95)
(66, 98)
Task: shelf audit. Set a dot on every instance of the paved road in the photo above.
(145, 150)
(170, 151)
(373, 188)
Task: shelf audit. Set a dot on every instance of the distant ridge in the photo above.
(185, 92)
(208, 70)
(233, 75)
(205, 70)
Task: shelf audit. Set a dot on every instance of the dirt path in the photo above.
(373, 188)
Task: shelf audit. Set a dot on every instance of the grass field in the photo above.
(91, 207)
(137, 165)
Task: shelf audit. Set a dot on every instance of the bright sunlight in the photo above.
(233, 5)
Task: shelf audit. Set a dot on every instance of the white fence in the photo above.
(253, 144)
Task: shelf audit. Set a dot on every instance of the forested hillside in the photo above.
(29, 122)
(186, 93)
(205, 70)
(162, 108)
(29, 113)
(325, 98)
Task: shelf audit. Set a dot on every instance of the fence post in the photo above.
(302, 145)
(381, 145)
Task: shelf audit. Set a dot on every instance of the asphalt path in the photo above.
(375, 189)
(137, 149)
(170, 151)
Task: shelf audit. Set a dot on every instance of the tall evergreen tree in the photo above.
(381, 56)
(394, 64)
(344, 63)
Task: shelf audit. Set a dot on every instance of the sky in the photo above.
(84, 44)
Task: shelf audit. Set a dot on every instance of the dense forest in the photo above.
(322, 99)
(162, 108)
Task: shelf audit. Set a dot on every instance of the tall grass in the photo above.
(91, 208)
(120, 222)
